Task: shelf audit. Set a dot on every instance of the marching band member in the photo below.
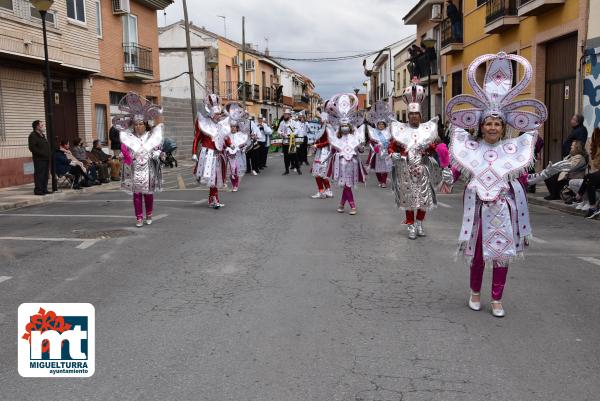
(287, 130)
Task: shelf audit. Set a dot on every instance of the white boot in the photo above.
(412, 232)
(420, 229)
(328, 193)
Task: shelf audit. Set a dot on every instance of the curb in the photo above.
(555, 205)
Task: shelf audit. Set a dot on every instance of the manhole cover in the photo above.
(106, 234)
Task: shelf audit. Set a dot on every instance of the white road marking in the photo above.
(442, 204)
(538, 240)
(84, 243)
(107, 216)
(590, 260)
(5, 278)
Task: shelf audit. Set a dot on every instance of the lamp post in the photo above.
(429, 42)
(43, 6)
(212, 62)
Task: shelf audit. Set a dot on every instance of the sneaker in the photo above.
(352, 211)
(139, 223)
(328, 193)
(148, 220)
(582, 205)
(235, 189)
(340, 209)
(318, 195)
(218, 205)
(592, 213)
(254, 172)
(383, 186)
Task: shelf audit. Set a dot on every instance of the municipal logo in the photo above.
(56, 340)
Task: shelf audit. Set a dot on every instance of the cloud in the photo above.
(307, 29)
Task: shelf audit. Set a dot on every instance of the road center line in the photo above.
(5, 278)
(121, 200)
(84, 242)
(538, 240)
(442, 204)
(101, 216)
(590, 260)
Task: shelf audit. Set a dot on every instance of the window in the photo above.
(76, 10)
(456, 83)
(98, 18)
(130, 34)
(101, 123)
(50, 17)
(115, 98)
(6, 4)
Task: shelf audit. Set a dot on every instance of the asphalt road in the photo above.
(278, 297)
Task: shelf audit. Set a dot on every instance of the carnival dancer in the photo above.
(321, 163)
(140, 150)
(210, 139)
(287, 130)
(347, 141)
(495, 226)
(380, 116)
(236, 157)
(415, 172)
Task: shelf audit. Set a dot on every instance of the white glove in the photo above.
(156, 154)
(549, 171)
(447, 176)
(195, 157)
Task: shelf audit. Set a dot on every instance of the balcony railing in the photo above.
(233, 90)
(495, 9)
(137, 61)
(449, 34)
(266, 94)
(256, 93)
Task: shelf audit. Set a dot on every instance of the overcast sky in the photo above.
(307, 29)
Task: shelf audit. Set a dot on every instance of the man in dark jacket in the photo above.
(579, 133)
(115, 141)
(455, 19)
(40, 153)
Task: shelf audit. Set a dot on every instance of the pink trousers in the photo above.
(148, 199)
(499, 272)
(382, 177)
(347, 196)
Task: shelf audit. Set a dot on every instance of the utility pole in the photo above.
(190, 65)
(224, 25)
(244, 62)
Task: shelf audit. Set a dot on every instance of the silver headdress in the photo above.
(342, 109)
(380, 112)
(238, 116)
(495, 98)
(413, 96)
(212, 105)
(134, 107)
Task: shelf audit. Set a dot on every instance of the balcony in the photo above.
(137, 61)
(452, 39)
(301, 99)
(256, 93)
(266, 94)
(500, 15)
(234, 90)
(537, 7)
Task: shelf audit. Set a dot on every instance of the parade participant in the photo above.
(347, 141)
(302, 139)
(140, 149)
(236, 157)
(264, 145)
(380, 116)
(253, 150)
(287, 130)
(210, 138)
(415, 172)
(321, 163)
(495, 226)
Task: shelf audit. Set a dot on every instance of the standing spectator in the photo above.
(455, 19)
(579, 133)
(115, 141)
(578, 161)
(40, 153)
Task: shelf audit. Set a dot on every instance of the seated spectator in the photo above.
(65, 162)
(79, 152)
(578, 158)
(103, 161)
(591, 182)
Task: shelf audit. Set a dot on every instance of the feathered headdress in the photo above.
(134, 107)
(212, 104)
(495, 98)
(381, 111)
(343, 109)
(413, 96)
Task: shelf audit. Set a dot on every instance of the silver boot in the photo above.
(420, 229)
(412, 232)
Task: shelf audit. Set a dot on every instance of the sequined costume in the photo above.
(321, 164)
(379, 140)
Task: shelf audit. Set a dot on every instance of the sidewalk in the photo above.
(538, 199)
(22, 195)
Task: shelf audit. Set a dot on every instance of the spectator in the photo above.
(40, 153)
(577, 157)
(81, 154)
(103, 161)
(539, 146)
(455, 19)
(579, 133)
(115, 141)
(65, 162)
(591, 182)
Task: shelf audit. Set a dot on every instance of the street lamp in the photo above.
(212, 62)
(429, 42)
(43, 6)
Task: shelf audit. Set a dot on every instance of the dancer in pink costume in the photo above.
(141, 151)
(495, 226)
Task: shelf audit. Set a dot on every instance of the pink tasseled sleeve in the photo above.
(126, 155)
(456, 173)
(523, 180)
(443, 154)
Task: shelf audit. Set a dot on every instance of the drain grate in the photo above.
(105, 234)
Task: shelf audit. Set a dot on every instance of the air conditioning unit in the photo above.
(436, 12)
(250, 65)
(235, 60)
(120, 6)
